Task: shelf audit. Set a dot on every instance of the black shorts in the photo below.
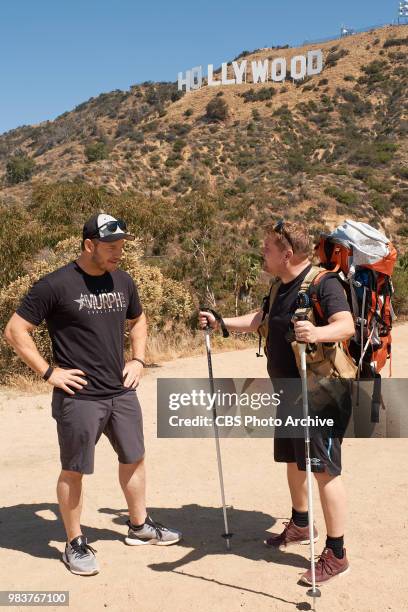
(325, 453)
(81, 422)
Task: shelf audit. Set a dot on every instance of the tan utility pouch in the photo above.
(326, 365)
(327, 361)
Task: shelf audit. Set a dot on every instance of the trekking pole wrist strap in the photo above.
(220, 320)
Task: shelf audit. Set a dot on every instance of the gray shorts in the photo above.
(81, 422)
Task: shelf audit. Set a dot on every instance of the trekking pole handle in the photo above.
(219, 320)
(302, 316)
(208, 326)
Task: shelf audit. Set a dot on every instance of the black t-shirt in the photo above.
(281, 359)
(85, 316)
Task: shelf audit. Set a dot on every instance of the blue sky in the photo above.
(58, 53)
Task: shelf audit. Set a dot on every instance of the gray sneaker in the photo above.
(151, 533)
(79, 556)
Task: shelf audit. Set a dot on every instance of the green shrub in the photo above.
(173, 160)
(296, 161)
(246, 159)
(124, 129)
(344, 197)
(284, 114)
(334, 56)
(356, 104)
(374, 67)
(258, 95)
(374, 154)
(398, 56)
(137, 136)
(341, 171)
(381, 185)
(19, 169)
(241, 184)
(400, 198)
(20, 237)
(217, 109)
(403, 231)
(401, 172)
(154, 160)
(179, 145)
(380, 204)
(242, 54)
(320, 119)
(96, 151)
(395, 42)
(362, 174)
(375, 75)
(400, 297)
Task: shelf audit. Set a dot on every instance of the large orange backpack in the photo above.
(364, 260)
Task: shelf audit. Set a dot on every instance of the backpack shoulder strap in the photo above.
(311, 286)
(312, 279)
(273, 292)
(268, 301)
(315, 276)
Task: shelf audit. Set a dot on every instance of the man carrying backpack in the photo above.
(85, 305)
(286, 256)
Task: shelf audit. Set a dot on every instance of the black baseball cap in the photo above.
(106, 228)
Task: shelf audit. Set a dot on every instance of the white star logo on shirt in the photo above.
(80, 302)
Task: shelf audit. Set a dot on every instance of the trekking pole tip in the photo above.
(227, 537)
(314, 592)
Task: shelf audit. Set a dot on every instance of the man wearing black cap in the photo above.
(85, 305)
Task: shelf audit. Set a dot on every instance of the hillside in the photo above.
(330, 146)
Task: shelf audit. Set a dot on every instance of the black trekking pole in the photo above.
(227, 535)
(314, 591)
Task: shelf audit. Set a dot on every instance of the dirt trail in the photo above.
(183, 491)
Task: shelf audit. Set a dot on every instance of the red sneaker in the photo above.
(292, 534)
(327, 567)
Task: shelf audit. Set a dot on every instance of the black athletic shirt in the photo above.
(281, 359)
(85, 316)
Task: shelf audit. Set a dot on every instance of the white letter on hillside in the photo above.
(314, 57)
(186, 81)
(239, 71)
(280, 63)
(259, 71)
(224, 75)
(196, 77)
(298, 74)
(211, 81)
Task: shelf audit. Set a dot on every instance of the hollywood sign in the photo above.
(262, 71)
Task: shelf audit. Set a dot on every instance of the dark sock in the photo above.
(138, 526)
(337, 545)
(301, 519)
